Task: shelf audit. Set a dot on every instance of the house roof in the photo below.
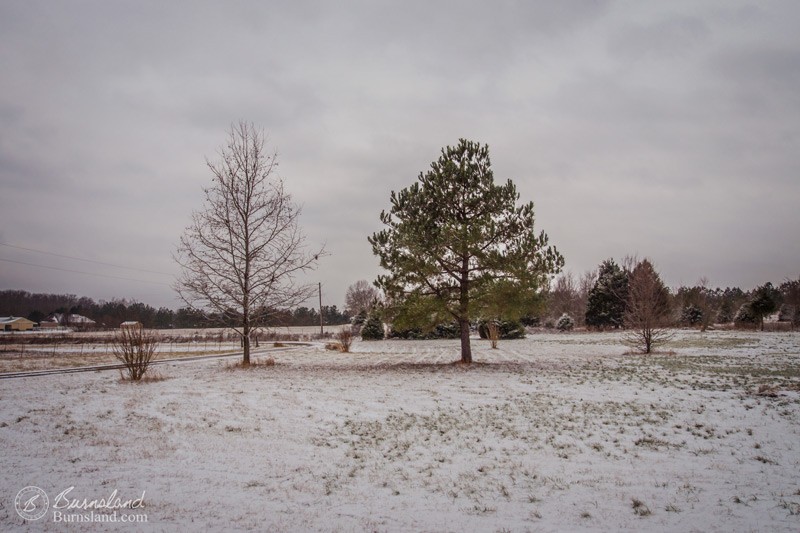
(12, 319)
(72, 319)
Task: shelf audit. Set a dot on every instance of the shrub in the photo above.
(691, 315)
(493, 331)
(345, 338)
(508, 329)
(530, 321)
(372, 330)
(565, 323)
(441, 331)
(134, 348)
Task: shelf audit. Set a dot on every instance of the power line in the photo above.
(84, 260)
(86, 273)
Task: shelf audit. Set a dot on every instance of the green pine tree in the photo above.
(764, 302)
(606, 305)
(451, 236)
(372, 329)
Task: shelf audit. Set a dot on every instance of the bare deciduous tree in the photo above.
(360, 296)
(647, 308)
(565, 297)
(134, 348)
(585, 284)
(242, 251)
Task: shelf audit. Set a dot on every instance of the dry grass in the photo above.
(254, 364)
(150, 377)
(29, 361)
(639, 508)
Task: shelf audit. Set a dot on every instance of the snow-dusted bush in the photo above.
(359, 319)
(745, 316)
(565, 323)
(691, 315)
(441, 331)
(372, 330)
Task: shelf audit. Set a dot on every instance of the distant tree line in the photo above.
(600, 298)
(110, 314)
(308, 316)
(629, 296)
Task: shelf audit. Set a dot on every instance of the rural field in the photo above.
(33, 351)
(557, 432)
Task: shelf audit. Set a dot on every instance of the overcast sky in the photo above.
(664, 129)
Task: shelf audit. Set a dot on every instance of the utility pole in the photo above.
(321, 332)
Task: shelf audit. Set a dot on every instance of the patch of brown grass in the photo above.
(254, 364)
(150, 377)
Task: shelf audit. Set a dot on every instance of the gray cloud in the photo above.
(664, 39)
(665, 130)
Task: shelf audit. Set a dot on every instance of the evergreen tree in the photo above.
(452, 234)
(790, 291)
(691, 315)
(731, 300)
(606, 305)
(372, 329)
(763, 302)
(359, 319)
(745, 317)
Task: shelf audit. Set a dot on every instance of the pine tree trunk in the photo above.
(463, 312)
(466, 349)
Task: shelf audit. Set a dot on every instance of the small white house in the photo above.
(72, 320)
(130, 324)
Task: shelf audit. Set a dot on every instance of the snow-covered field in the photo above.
(550, 433)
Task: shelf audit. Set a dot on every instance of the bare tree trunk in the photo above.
(246, 349)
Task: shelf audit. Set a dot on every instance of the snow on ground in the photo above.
(550, 433)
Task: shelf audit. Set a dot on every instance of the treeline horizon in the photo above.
(110, 314)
